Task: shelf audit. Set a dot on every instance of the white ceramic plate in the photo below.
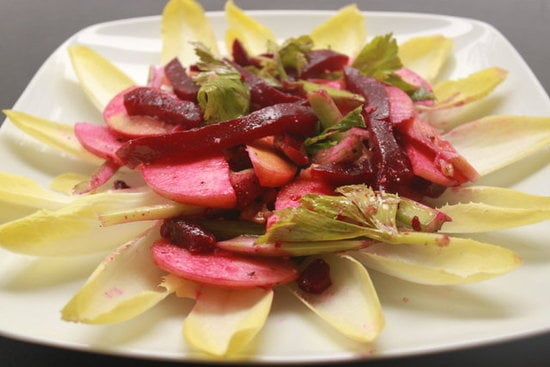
(420, 319)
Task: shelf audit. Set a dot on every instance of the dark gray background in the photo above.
(31, 29)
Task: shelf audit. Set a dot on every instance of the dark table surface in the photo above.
(30, 30)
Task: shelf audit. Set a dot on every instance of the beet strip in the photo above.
(293, 118)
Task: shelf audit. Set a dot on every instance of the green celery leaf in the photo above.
(379, 58)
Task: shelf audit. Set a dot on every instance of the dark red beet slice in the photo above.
(189, 235)
(263, 94)
(293, 148)
(189, 144)
(204, 181)
(222, 268)
(391, 164)
(161, 105)
(184, 87)
(323, 61)
(98, 140)
(315, 278)
(246, 186)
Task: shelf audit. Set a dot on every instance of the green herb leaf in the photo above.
(379, 58)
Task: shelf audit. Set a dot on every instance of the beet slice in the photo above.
(223, 268)
(401, 105)
(285, 117)
(392, 166)
(204, 181)
(155, 103)
(98, 140)
(323, 61)
(184, 87)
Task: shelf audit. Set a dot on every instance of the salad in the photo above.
(300, 164)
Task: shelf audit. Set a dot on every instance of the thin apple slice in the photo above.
(222, 268)
(271, 169)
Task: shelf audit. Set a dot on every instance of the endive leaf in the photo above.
(350, 304)
(150, 212)
(183, 23)
(343, 32)
(124, 285)
(20, 190)
(66, 182)
(455, 93)
(425, 55)
(484, 208)
(454, 261)
(493, 142)
(99, 78)
(254, 36)
(52, 133)
(74, 229)
(223, 321)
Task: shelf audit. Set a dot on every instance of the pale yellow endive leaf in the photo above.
(124, 285)
(223, 321)
(350, 304)
(254, 36)
(345, 31)
(456, 93)
(66, 182)
(484, 208)
(458, 261)
(100, 79)
(20, 190)
(184, 22)
(75, 228)
(55, 134)
(493, 142)
(425, 55)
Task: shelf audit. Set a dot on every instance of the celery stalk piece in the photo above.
(75, 229)
(183, 23)
(456, 93)
(100, 79)
(493, 142)
(426, 55)
(350, 304)
(224, 321)
(344, 32)
(254, 36)
(439, 260)
(55, 134)
(483, 208)
(124, 285)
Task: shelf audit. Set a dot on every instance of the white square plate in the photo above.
(419, 319)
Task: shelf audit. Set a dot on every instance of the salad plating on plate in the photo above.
(299, 164)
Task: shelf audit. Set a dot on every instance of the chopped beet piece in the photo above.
(238, 158)
(392, 165)
(246, 186)
(184, 87)
(241, 56)
(323, 61)
(285, 117)
(315, 278)
(189, 235)
(161, 105)
(120, 185)
(293, 148)
(263, 94)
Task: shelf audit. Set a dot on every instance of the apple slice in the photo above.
(271, 169)
(223, 268)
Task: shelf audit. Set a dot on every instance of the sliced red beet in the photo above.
(204, 181)
(98, 140)
(152, 102)
(184, 87)
(323, 61)
(261, 93)
(117, 118)
(241, 56)
(246, 186)
(222, 268)
(293, 148)
(391, 164)
(272, 120)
